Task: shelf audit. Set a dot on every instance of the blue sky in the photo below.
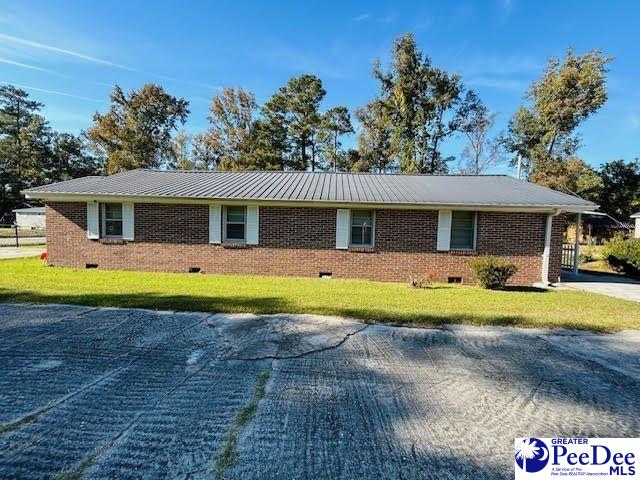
(69, 54)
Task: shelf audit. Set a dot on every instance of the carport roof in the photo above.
(36, 210)
(314, 187)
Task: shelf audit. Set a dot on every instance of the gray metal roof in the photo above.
(323, 187)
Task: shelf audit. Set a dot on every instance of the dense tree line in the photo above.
(402, 129)
(31, 153)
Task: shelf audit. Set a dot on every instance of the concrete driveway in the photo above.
(115, 393)
(610, 285)
(20, 252)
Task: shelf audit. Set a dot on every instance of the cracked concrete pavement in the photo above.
(121, 393)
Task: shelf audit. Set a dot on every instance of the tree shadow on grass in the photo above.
(274, 304)
(525, 289)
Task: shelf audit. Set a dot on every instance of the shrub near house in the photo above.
(493, 273)
(623, 255)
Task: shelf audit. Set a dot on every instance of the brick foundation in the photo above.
(301, 242)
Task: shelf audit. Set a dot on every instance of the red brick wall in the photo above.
(300, 242)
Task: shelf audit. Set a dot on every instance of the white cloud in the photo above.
(61, 51)
(54, 92)
(31, 67)
(362, 17)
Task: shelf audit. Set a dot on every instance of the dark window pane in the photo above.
(113, 210)
(361, 227)
(356, 235)
(462, 230)
(235, 231)
(366, 236)
(462, 239)
(361, 217)
(235, 214)
(113, 228)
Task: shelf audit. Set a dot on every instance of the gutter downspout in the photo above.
(547, 247)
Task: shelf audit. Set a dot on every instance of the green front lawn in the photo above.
(29, 280)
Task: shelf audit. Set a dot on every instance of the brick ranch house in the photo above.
(345, 225)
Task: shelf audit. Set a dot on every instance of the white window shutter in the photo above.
(215, 224)
(93, 220)
(253, 225)
(342, 229)
(444, 230)
(127, 221)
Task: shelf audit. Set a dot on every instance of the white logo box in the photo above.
(575, 458)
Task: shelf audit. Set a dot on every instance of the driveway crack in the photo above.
(299, 355)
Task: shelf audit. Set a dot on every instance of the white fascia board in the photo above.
(67, 197)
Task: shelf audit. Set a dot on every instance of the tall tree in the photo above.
(375, 138)
(304, 94)
(34, 154)
(524, 138)
(480, 152)
(440, 110)
(227, 140)
(136, 131)
(296, 105)
(422, 102)
(182, 157)
(71, 158)
(335, 123)
(620, 194)
(24, 140)
(572, 176)
(269, 144)
(570, 90)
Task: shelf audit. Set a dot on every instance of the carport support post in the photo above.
(576, 245)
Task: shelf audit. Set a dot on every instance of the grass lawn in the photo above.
(29, 280)
(9, 232)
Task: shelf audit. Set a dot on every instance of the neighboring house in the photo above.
(33, 217)
(636, 217)
(344, 225)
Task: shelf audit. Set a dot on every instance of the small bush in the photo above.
(493, 273)
(623, 255)
(418, 282)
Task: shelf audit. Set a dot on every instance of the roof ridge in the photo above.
(319, 172)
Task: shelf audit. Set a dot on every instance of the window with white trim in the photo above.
(362, 228)
(235, 221)
(112, 220)
(463, 230)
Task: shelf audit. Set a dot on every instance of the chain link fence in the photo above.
(14, 236)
